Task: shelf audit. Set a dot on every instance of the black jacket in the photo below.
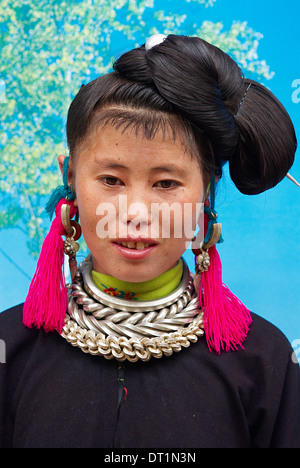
(54, 395)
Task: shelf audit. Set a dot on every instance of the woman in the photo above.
(155, 132)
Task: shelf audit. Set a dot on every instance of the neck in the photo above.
(153, 289)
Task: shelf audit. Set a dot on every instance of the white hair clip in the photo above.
(154, 41)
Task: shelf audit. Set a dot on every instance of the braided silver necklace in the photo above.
(108, 326)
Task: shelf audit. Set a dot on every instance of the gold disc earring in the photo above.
(203, 258)
(73, 233)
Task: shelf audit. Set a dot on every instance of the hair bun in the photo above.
(196, 78)
(267, 144)
(133, 65)
(204, 85)
(199, 80)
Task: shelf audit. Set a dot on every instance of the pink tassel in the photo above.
(227, 320)
(46, 302)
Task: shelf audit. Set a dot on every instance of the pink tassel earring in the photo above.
(46, 302)
(227, 320)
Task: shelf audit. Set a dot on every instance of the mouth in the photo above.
(135, 250)
(135, 245)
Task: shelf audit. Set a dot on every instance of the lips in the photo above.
(134, 245)
(134, 249)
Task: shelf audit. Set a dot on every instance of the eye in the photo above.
(166, 184)
(110, 181)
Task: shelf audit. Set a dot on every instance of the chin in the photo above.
(129, 272)
(135, 276)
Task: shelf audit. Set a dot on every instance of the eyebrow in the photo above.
(170, 168)
(108, 164)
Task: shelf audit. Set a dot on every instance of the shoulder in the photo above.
(11, 320)
(12, 331)
(268, 352)
(264, 336)
(271, 363)
(11, 313)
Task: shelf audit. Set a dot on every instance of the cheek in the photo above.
(87, 207)
(186, 215)
(98, 219)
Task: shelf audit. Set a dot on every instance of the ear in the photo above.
(60, 160)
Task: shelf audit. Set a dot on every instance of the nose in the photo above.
(135, 213)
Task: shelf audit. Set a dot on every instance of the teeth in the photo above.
(141, 245)
(135, 245)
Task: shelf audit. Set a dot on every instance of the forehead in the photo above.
(113, 146)
(144, 124)
(113, 138)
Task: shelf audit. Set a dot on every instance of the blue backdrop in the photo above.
(260, 253)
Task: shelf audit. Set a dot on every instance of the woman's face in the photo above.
(137, 202)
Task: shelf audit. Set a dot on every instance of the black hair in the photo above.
(195, 90)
